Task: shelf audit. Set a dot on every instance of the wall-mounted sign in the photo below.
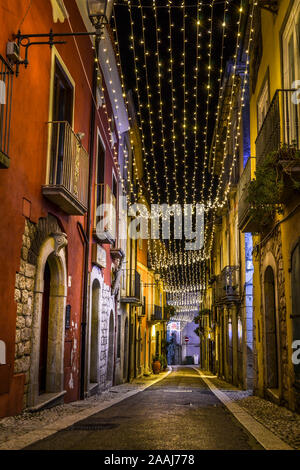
(99, 256)
(174, 326)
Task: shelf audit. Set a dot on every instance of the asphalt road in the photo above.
(177, 413)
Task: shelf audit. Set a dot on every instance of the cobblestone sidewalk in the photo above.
(281, 421)
(16, 426)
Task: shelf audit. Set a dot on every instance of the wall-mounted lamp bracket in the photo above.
(25, 41)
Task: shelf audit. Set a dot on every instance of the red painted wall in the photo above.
(27, 173)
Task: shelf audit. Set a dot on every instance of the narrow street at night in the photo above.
(150, 226)
(179, 412)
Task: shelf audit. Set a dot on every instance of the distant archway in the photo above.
(110, 353)
(125, 351)
(139, 350)
(145, 351)
(271, 329)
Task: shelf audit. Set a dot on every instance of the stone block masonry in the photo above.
(24, 288)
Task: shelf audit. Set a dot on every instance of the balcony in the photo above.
(69, 170)
(228, 286)
(106, 214)
(130, 291)
(281, 126)
(156, 313)
(245, 222)
(6, 83)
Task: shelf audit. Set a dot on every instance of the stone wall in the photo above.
(32, 240)
(24, 288)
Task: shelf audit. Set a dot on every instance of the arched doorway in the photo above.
(139, 347)
(157, 348)
(94, 342)
(47, 357)
(125, 351)
(295, 278)
(270, 329)
(110, 354)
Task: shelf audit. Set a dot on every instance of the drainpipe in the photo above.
(88, 228)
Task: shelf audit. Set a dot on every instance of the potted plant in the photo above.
(265, 192)
(163, 361)
(156, 365)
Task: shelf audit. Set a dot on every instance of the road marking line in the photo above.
(31, 437)
(264, 436)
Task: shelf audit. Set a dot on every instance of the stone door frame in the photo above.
(53, 251)
(270, 261)
(95, 276)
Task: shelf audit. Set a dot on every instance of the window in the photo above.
(114, 186)
(119, 337)
(291, 48)
(100, 171)
(263, 103)
(291, 71)
(62, 117)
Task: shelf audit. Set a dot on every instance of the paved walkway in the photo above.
(179, 412)
(185, 409)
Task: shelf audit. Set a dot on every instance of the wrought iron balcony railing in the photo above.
(106, 218)
(228, 285)
(281, 126)
(130, 291)
(157, 313)
(6, 84)
(69, 169)
(242, 194)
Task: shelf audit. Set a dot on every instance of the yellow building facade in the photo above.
(275, 144)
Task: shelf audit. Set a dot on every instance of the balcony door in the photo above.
(62, 115)
(291, 74)
(100, 173)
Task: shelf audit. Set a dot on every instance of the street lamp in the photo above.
(99, 12)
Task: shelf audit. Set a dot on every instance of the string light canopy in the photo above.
(172, 55)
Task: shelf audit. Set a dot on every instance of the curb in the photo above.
(264, 436)
(31, 437)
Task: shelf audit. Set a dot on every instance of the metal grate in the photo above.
(89, 426)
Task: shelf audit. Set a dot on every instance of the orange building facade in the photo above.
(58, 323)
